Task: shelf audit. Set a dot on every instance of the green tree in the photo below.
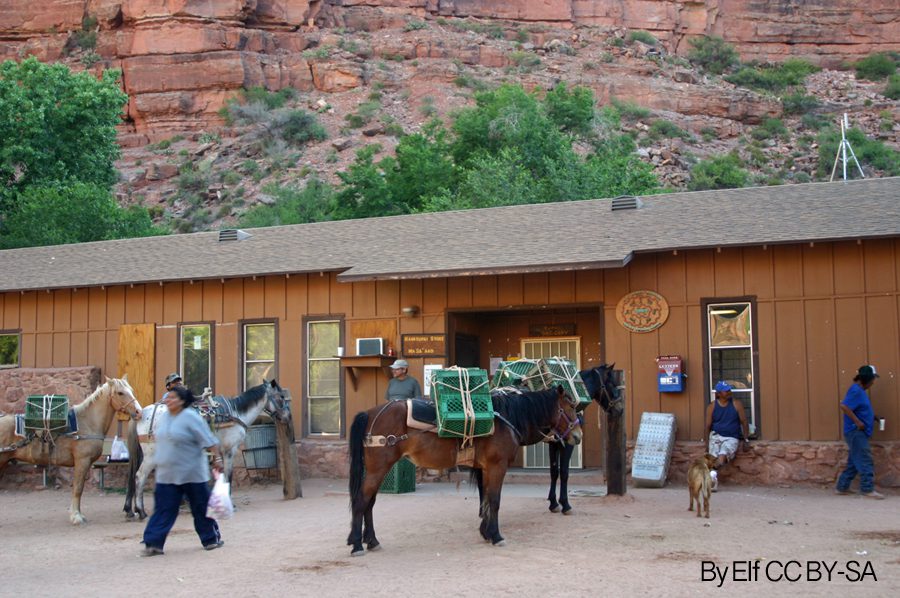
(571, 110)
(423, 167)
(56, 126)
(365, 192)
(74, 213)
(292, 205)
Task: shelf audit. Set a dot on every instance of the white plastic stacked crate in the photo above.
(653, 449)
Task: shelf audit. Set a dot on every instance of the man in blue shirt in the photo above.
(726, 427)
(859, 420)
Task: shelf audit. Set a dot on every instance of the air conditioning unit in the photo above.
(370, 346)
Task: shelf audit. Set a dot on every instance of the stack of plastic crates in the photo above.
(521, 373)
(401, 478)
(653, 449)
(559, 370)
(47, 412)
(451, 387)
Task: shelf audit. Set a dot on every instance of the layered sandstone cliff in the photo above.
(182, 59)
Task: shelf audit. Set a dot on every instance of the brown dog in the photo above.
(700, 482)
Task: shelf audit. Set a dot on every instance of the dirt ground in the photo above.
(643, 543)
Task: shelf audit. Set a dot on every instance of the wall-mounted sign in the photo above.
(642, 311)
(423, 345)
(552, 330)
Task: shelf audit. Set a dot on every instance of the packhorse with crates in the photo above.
(467, 424)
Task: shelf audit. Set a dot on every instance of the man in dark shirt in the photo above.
(726, 426)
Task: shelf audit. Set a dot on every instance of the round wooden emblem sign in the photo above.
(642, 311)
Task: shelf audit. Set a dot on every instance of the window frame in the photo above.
(179, 350)
(755, 415)
(242, 362)
(17, 332)
(342, 401)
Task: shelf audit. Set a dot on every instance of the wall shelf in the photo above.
(353, 363)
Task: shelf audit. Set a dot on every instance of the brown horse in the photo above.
(520, 419)
(80, 449)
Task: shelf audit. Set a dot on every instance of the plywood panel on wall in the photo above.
(137, 358)
(821, 359)
(484, 291)
(364, 299)
(793, 402)
(295, 292)
(387, 298)
(818, 270)
(880, 268)
(759, 272)
(848, 268)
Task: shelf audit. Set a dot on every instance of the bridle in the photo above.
(123, 407)
(564, 424)
(272, 406)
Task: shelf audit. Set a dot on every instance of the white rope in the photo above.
(469, 421)
(567, 376)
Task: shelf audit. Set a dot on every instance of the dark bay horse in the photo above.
(520, 419)
(601, 386)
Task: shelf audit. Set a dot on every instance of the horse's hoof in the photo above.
(554, 508)
(360, 552)
(567, 511)
(374, 547)
(500, 542)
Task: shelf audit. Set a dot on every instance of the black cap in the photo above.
(866, 373)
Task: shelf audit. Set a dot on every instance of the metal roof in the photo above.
(527, 238)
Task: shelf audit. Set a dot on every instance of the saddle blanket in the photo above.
(71, 424)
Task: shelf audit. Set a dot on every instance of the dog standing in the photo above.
(700, 482)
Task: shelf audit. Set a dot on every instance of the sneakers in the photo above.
(715, 480)
(842, 492)
(873, 494)
(151, 551)
(214, 545)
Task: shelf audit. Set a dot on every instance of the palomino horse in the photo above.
(80, 449)
(519, 419)
(243, 410)
(601, 387)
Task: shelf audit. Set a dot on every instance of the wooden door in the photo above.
(137, 358)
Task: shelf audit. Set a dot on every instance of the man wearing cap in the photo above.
(726, 426)
(172, 380)
(859, 421)
(402, 386)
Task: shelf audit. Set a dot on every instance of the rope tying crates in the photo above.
(464, 404)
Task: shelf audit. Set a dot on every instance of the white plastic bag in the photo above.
(118, 451)
(220, 505)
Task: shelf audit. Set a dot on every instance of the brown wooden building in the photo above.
(784, 291)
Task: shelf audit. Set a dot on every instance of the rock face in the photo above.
(182, 59)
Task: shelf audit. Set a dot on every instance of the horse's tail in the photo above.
(357, 460)
(135, 458)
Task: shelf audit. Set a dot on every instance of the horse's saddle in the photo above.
(421, 414)
(218, 412)
(26, 432)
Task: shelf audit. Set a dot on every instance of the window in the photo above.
(323, 382)
(259, 353)
(731, 343)
(538, 455)
(195, 355)
(9, 349)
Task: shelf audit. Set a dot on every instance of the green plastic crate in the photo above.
(522, 373)
(448, 386)
(55, 419)
(401, 478)
(563, 371)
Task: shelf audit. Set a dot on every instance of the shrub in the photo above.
(713, 54)
(571, 110)
(773, 78)
(524, 61)
(630, 110)
(664, 128)
(231, 177)
(298, 127)
(770, 127)
(708, 133)
(798, 103)
(415, 25)
(869, 152)
(876, 67)
(892, 90)
(721, 172)
(270, 99)
(642, 36)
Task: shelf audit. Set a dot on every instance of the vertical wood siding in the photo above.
(821, 311)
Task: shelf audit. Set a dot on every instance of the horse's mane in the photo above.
(247, 399)
(526, 408)
(93, 396)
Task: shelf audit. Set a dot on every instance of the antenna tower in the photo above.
(843, 148)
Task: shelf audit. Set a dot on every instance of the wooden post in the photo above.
(616, 447)
(288, 464)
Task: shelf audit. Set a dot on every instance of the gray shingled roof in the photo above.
(542, 237)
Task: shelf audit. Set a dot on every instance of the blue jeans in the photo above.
(165, 511)
(858, 461)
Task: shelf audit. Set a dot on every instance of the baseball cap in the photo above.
(722, 386)
(867, 371)
(400, 363)
(172, 378)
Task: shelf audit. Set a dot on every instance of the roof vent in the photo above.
(626, 202)
(233, 234)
